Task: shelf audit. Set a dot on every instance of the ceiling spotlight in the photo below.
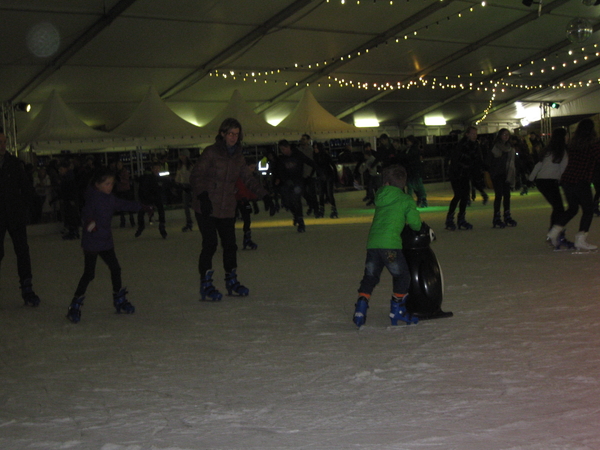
(23, 106)
(554, 105)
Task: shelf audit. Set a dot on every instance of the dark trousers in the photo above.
(18, 235)
(245, 210)
(291, 198)
(160, 209)
(579, 194)
(126, 195)
(310, 193)
(501, 193)
(89, 271)
(461, 188)
(550, 189)
(394, 261)
(213, 229)
(325, 188)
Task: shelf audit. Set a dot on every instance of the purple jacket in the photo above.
(100, 208)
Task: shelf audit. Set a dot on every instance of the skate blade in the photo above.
(583, 252)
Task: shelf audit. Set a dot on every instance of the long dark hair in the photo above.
(229, 124)
(584, 136)
(556, 147)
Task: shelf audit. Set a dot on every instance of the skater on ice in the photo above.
(504, 176)
(213, 181)
(584, 153)
(547, 173)
(463, 159)
(16, 194)
(97, 240)
(394, 209)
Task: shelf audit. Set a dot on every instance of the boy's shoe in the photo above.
(398, 311)
(360, 311)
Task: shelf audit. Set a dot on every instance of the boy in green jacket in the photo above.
(394, 209)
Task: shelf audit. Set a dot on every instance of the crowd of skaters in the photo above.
(303, 171)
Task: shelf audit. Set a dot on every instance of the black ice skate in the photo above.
(209, 293)
(234, 287)
(508, 220)
(162, 231)
(497, 221)
(121, 303)
(29, 297)
(462, 223)
(334, 213)
(450, 225)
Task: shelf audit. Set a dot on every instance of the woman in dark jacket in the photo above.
(213, 181)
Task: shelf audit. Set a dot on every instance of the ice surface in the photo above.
(516, 368)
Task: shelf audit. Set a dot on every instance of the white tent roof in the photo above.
(56, 127)
(311, 118)
(154, 123)
(256, 129)
(396, 62)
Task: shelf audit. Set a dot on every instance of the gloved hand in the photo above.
(269, 205)
(206, 208)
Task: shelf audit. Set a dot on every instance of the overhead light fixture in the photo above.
(366, 123)
(433, 121)
(23, 106)
(554, 105)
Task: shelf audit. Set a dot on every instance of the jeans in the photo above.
(394, 261)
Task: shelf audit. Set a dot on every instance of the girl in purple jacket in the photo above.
(97, 240)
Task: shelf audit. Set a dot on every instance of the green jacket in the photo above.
(394, 210)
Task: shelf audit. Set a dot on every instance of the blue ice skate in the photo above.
(74, 311)
(398, 311)
(208, 290)
(360, 311)
(121, 303)
(234, 287)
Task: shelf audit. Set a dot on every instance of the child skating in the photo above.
(394, 209)
(97, 240)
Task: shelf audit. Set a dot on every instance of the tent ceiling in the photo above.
(111, 51)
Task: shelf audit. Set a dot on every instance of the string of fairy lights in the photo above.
(515, 78)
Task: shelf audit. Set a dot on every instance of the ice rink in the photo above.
(517, 367)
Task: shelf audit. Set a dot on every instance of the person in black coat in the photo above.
(288, 175)
(16, 195)
(150, 195)
(325, 180)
